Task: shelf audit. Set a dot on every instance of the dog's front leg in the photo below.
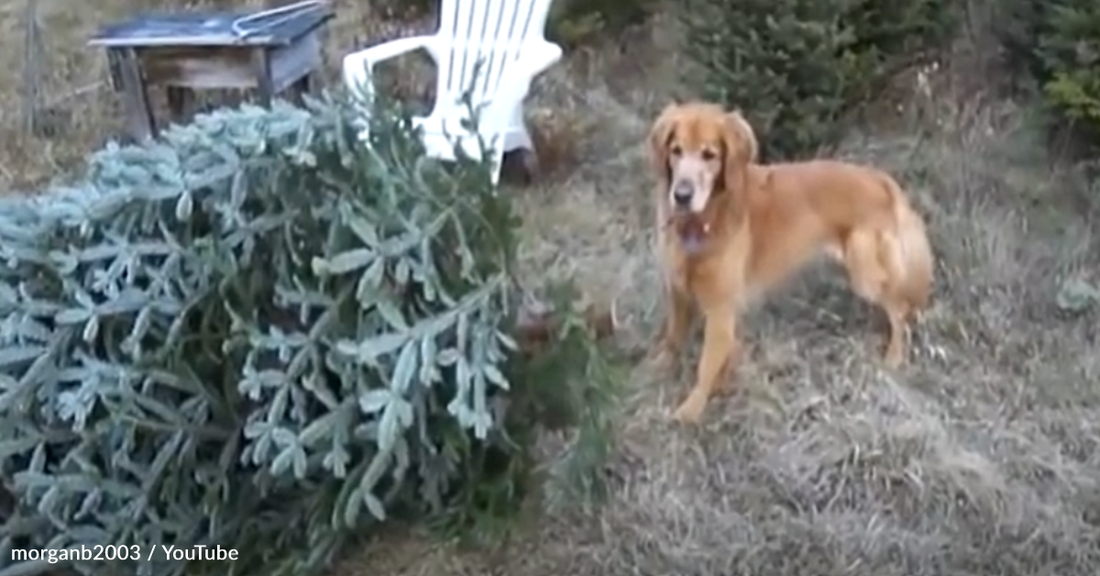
(671, 340)
(719, 344)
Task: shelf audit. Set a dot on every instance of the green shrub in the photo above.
(797, 66)
(1017, 26)
(260, 334)
(1055, 47)
(572, 23)
(1069, 52)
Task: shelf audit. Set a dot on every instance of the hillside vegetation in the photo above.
(981, 456)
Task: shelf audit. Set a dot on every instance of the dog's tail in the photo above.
(915, 265)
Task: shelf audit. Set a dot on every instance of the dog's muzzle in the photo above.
(682, 192)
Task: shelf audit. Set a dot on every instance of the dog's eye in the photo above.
(709, 155)
(676, 150)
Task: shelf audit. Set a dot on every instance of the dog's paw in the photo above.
(892, 360)
(893, 356)
(690, 412)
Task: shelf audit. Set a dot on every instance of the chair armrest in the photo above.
(535, 58)
(358, 66)
(540, 55)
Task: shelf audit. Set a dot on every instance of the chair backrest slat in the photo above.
(485, 36)
(494, 63)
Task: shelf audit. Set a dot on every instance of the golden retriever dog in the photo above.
(730, 229)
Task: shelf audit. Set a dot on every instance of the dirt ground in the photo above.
(981, 457)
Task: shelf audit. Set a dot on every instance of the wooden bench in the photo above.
(268, 51)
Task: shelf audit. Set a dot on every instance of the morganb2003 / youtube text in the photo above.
(111, 552)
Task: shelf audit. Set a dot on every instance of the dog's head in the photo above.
(700, 150)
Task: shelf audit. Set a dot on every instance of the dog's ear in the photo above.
(740, 145)
(746, 146)
(660, 135)
(739, 142)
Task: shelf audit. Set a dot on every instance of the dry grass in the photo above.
(980, 457)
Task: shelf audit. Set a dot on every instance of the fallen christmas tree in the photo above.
(261, 334)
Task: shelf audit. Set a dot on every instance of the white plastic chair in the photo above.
(503, 41)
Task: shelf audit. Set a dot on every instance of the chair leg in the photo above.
(530, 161)
(519, 145)
(498, 166)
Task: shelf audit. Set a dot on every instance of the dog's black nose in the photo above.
(681, 193)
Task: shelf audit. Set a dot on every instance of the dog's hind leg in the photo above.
(877, 278)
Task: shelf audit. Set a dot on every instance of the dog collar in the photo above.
(694, 241)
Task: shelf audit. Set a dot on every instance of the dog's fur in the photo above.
(748, 226)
